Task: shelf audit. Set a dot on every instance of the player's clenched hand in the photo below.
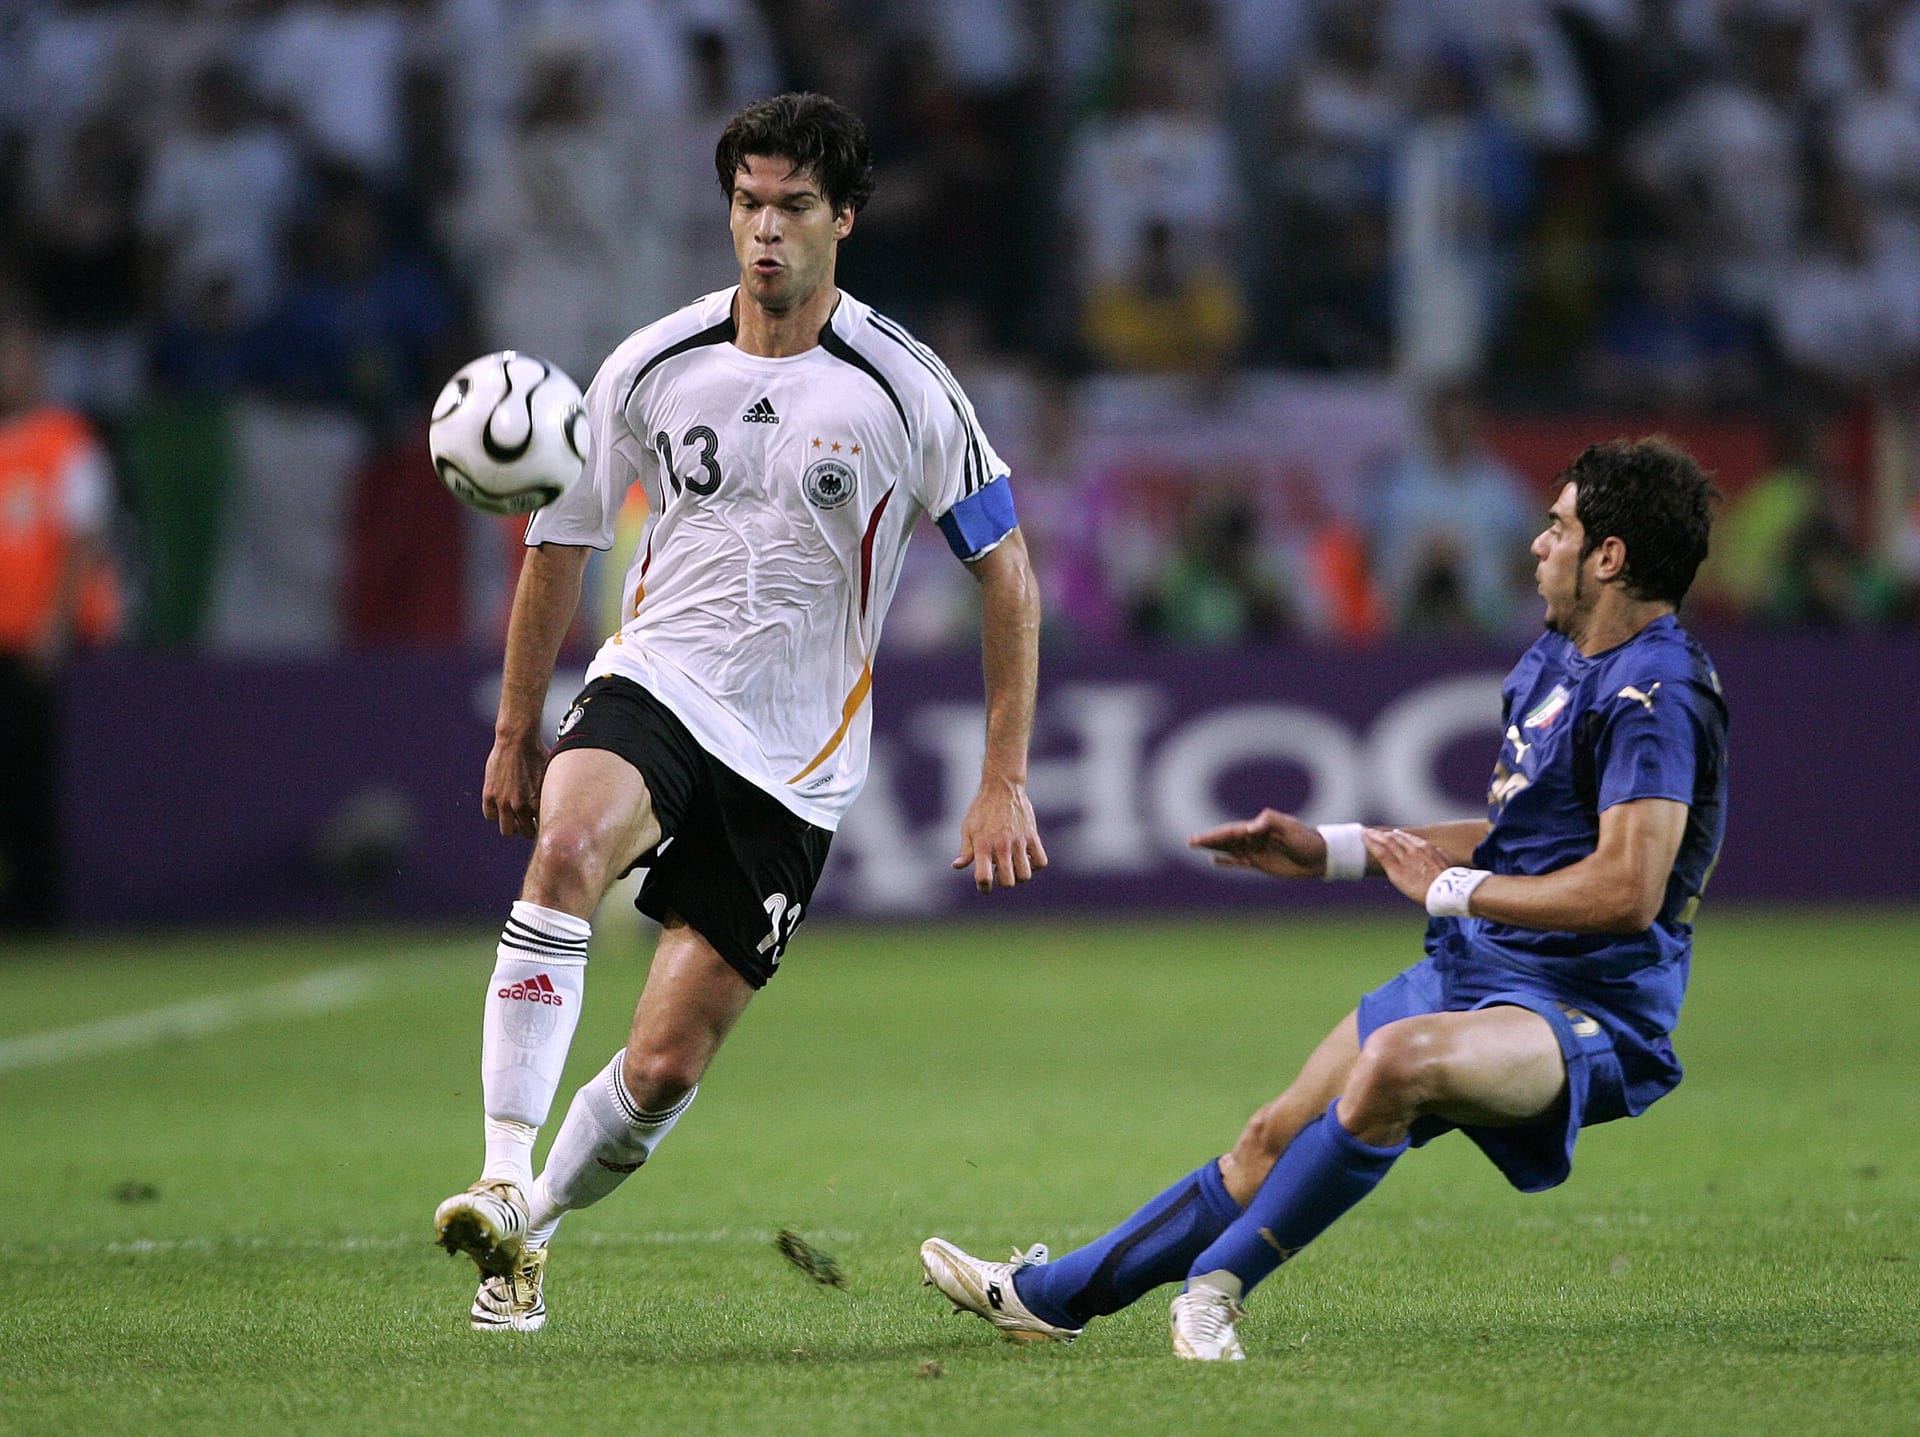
(1276, 843)
(999, 838)
(1411, 863)
(511, 794)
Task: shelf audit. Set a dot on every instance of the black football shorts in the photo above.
(732, 862)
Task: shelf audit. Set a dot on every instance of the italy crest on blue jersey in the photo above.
(1643, 720)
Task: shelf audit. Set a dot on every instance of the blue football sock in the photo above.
(1153, 1246)
(1324, 1171)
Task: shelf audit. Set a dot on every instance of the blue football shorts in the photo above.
(1612, 1071)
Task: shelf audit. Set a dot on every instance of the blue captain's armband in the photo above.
(980, 521)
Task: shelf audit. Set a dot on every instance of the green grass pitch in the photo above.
(224, 1230)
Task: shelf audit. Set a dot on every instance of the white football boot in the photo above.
(986, 1289)
(513, 1303)
(488, 1222)
(1203, 1321)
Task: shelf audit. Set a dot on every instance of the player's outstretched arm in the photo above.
(999, 837)
(1618, 888)
(1284, 846)
(1271, 842)
(544, 603)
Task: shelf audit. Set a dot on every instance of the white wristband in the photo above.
(1450, 893)
(1346, 851)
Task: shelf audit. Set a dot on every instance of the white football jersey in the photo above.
(781, 494)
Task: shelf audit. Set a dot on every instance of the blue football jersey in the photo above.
(1643, 720)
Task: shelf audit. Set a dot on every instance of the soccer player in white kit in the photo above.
(788, 439)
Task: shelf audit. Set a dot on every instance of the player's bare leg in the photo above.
(1496, 1066)
(596, 816)
(692, 999)
(1156, 1243)
(1322, 1078)
(1493, 1067)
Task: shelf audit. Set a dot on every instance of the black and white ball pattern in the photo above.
(509, 433)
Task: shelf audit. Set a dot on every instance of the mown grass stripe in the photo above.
(323, 992)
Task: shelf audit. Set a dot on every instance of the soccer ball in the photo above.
(509, 433)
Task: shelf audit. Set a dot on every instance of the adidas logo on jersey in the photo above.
(761, 413)
(537, 989)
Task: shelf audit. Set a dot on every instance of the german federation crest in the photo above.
(829, 483)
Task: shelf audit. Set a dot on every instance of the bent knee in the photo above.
(1266, 1136)
(1404, 1062)
(569, 862)
(567, 846)
(656, 1079)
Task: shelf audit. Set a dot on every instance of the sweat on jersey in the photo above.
(781, 495)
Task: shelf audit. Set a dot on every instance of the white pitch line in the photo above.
(322, 992)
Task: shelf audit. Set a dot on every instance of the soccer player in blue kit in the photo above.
(1556, 953)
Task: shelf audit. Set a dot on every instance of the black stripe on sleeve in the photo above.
(841, 350)
(976, 461)
(721, 333)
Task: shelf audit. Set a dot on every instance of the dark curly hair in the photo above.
(815, 134)
(1652, 496)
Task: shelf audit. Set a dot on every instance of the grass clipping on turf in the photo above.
(815, 1262)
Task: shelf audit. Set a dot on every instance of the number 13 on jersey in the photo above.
(710, 475)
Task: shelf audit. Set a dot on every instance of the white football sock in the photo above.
(533, 1006)
(604, 1139)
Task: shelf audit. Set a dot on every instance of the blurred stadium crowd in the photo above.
(1270, 303)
